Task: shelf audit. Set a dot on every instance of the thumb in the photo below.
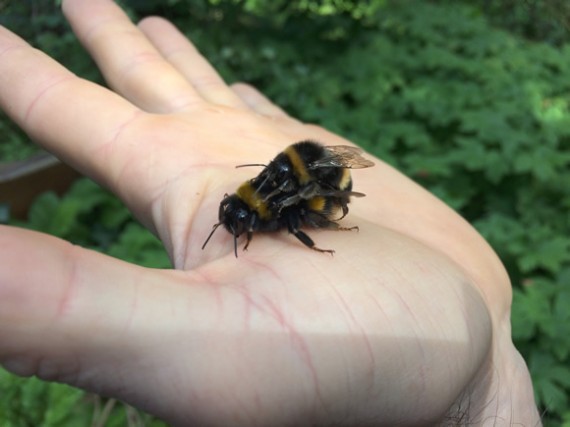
(70, 314)
(76, 316)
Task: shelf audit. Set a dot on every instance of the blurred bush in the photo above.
(471, 99)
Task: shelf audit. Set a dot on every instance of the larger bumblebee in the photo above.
(305, 185)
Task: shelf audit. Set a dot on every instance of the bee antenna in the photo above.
(214, 228)
(251, 164)
(235, 240)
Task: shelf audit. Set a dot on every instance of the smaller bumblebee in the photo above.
(305, 185)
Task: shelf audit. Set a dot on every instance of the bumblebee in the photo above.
(304, 186)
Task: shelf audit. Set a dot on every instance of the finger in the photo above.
(184, 56)
(62, 292)
(129, 62)
(74, 118)
(76, 316)
(257, 101)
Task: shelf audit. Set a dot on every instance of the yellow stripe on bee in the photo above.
(317, 204)
(299, 167)
(345, 179)
(254, 200)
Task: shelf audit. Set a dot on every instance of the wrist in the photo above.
(501, 393)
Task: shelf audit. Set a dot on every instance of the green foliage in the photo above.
(354, 8)
(91, 217)
(478, 116)
(137, 245)
(31, 402)
(14, 145)
(37, 403)
(541, 326)
(540, 20)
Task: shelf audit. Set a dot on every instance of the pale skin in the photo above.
(407, 324)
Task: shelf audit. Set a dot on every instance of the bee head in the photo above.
(235, 215)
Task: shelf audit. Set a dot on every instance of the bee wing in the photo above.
(342, 156)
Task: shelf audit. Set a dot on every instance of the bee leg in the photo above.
(306, 193)
(289, 201)
(235, 245)
(310, 190)
(307, 241)
(249, 236)
(334, 226)
(283, 188)
(250, 228)
(293, 225)
(344, 205)
(316, 220)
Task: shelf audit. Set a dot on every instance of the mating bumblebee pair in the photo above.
(305, 185)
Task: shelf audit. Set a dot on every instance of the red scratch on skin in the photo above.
(211, 285)
(65, 302)
(299, 343)
(45, 90)
(218, 297)
(104, 149)
(263, 266)
(416, 322)
(402, 279)
(363, 334)
(250, 302)
(267, 306)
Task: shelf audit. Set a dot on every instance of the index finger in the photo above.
(73, 118)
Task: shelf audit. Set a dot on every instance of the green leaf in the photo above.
(34, 402)
(530, 311)
(550, 379)
(551, 395)
(551, 255)
(138, 245)
(43, 210)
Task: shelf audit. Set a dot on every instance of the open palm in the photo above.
(402, 315)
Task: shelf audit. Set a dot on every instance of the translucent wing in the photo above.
(342, 156)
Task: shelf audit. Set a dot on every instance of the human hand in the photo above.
(409, 319)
